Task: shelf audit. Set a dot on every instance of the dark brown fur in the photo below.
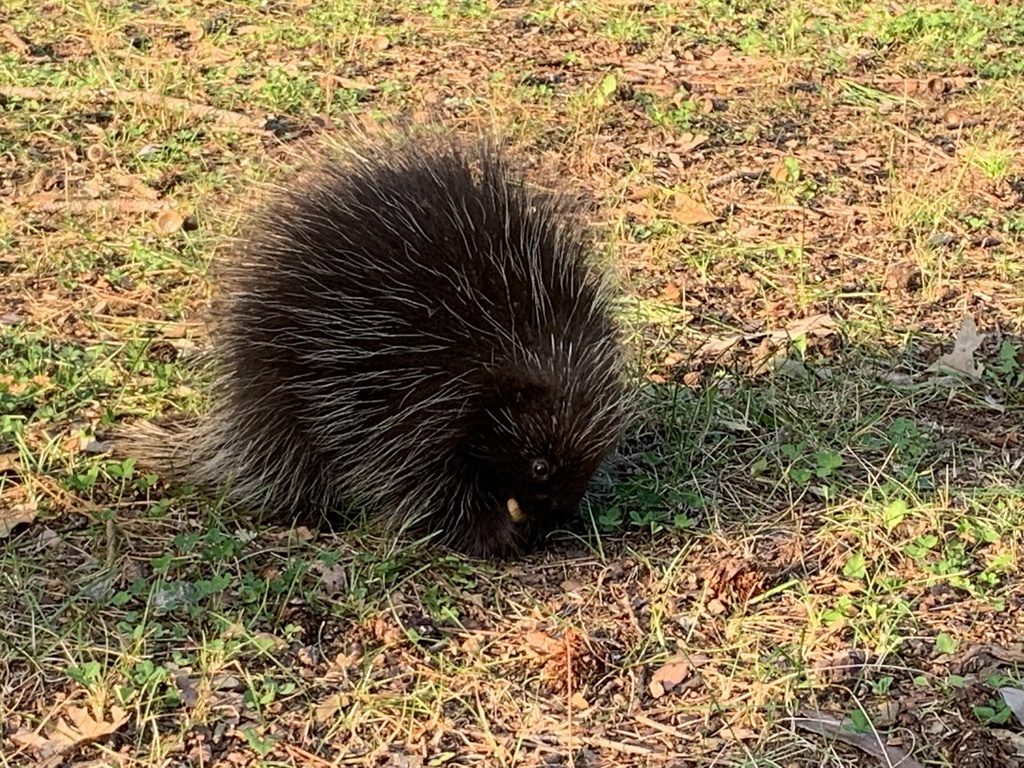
(410, 329)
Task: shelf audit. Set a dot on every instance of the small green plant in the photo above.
(265, 691)
(882, 685)
(945, 644)
(261, 743)
(996, 712)
(1007, 370)
(859, 722)
(806, 466)
(605, 91)
(89, 674)
(682, 116)
(856, 566)
(627, 27)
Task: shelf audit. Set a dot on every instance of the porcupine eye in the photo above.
(541, 469)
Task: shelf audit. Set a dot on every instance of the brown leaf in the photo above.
(30, 739)
(988, 651)
(816, 325)
(194, 29)
(689, 211)
(672, 293)
(327, 709)
(668, 676)
(689, 142)
(334, 578)
(15, 515)
(188, 687)
(705, 104)
(169, 222)
(640, 209)
(350, 84)
(300, 534)
(9, 462)
(578, 702)
(954, 119)
(779, 173)
(82, 729)
(540, 643)
(572, 585)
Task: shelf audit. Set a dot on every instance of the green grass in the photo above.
(814, 524)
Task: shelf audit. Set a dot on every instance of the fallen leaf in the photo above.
(15, 515)
(961, 358)
(169, 222)
(354, 85)
(329, 707)
(987, 652)
(572, 585)
(64, 736)
(689, 211)
(687, 143)
(300, 534)
(92, 445)
(1014, 698)
(819, 326)
(869, 743)
(194, 28)
(737, 733)
(30, 739)
(539, 642)
(188, 687)
(779, 173)
(334, 578)
(787, 366)
(668, 676)
(815, 325)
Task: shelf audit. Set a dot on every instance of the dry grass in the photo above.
(805, 524)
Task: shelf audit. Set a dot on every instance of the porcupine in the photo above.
(412, 330)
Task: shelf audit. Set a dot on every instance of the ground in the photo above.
(807, 550)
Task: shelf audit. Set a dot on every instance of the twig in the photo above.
(618, 746)
(7, 33)
(781, 208)
(306, 758)
(568, 687)
(737, 175)
(666, 729)
(79, 205)
(222, 117)
(921, 141)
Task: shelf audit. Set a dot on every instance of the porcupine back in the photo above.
(410, 329)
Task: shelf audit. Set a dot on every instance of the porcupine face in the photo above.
(535, 454)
